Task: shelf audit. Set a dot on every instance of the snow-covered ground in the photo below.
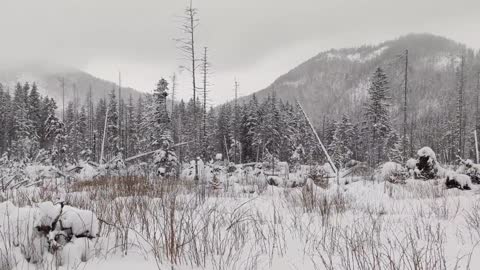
(244, 223)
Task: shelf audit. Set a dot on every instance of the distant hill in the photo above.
(336, 81)
(49, 80)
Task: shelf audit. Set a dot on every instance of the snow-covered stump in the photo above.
(427, 166)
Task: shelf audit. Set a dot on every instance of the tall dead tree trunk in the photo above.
(120, 116)
(235, 123)
(187, 47)
(205, 67)
(460, 109)
(174, 86)
(405, 109)
(477, 105)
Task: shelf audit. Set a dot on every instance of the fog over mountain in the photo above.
(246, 39)
(50, 78)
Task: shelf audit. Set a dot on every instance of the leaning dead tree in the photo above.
(102, 150)
(320, 144)
(141, 155)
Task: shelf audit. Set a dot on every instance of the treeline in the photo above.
(31, 129)
(24, 121)
(253, 131)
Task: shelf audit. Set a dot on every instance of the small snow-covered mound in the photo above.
(81, 222)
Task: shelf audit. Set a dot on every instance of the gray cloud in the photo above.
(255, 40)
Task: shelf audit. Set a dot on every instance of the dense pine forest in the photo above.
(249, 132)
(37, 130)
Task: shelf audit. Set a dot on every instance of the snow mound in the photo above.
(48, 212)
(82, 222)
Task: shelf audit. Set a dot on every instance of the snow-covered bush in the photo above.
(166, 162)
(216, 170)
(471, 169)
(411, 164)
(391, 172)
(319, 175)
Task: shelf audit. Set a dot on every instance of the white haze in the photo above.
(253, 41)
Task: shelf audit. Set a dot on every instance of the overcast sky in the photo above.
(254, 41)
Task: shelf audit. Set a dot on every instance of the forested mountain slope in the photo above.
(335, 82)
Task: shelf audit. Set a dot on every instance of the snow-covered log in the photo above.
(457, 180)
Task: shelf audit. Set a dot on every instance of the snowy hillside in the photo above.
(327, 84)
(49, 78)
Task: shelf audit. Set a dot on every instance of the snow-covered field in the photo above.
(241, 222)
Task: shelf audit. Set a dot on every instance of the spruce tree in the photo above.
(341, 145)
(160, 120)
(377, 120)
(131, 131)
(112, 144)
(4, 104)
(34, 108)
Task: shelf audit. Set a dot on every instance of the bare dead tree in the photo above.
(174, 86)
(477, 104)
(405, 109)
(205, 72)
(62, 81)
(91, 125)
(187, 47)
(460, 108)
(120, 114)
(235, 126)
(173, 116)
